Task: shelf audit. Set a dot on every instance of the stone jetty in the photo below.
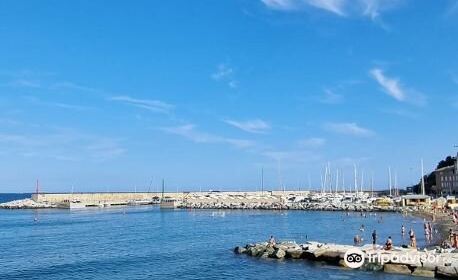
(26, 204)
(285, 201)
(437, 262)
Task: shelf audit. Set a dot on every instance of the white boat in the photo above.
(74, 204)
(170, 203)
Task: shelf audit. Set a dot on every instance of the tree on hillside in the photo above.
(448, 161)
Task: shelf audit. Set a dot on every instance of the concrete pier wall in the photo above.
(97, 197)
(101, 197)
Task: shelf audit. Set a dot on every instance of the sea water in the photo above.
(150, 243)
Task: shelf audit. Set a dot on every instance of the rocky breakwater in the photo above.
(25, 204)
(347, 207)
(279, 205)
(436, 263)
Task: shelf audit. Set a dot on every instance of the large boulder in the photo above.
(294, 253)
(396, 268)
(372, 266)
(256, 250)
(318, 252)
(252, 251)
(418, 271)
(279, 253)
(447, 272)
(330, 255)
(270, 251)
(239, 250)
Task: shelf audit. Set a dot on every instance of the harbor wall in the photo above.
(101, 197)
(96, 197)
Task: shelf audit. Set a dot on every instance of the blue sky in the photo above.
(108, 96)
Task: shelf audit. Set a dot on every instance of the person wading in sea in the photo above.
(413, 239)
(357, 240)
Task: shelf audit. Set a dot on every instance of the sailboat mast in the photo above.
(337, 179)
(356, 180)
(396, 183)
(372, 185)
(325, 185)
(163, 188)
(389, 174)
(310, 182)
(343, 182)
(322, 183)
(422, 179)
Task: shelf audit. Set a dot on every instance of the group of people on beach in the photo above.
(358, 238)
(452, 241)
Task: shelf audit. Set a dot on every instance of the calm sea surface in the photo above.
(147, 243)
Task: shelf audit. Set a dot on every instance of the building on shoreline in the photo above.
(415, 200)
(447, 179)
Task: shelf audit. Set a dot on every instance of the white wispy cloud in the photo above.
(350, 161)
(69, 106)
(291, 157)
(61, 144)
(333, 6)
(364, 8)
(330, 97)
(225, 73)
(391, 86)
(251, 126)
(394, 88)
(25, 83)
(313, 142)
(280, 4)
(349, 128)
(72, 86)
(61, 105)
(190, 132)
(148, 104)
(401, 112)
(42, 81)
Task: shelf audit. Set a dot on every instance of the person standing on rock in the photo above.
(374, 238)
(272, 241)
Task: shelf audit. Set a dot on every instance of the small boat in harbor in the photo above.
(170, 203)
